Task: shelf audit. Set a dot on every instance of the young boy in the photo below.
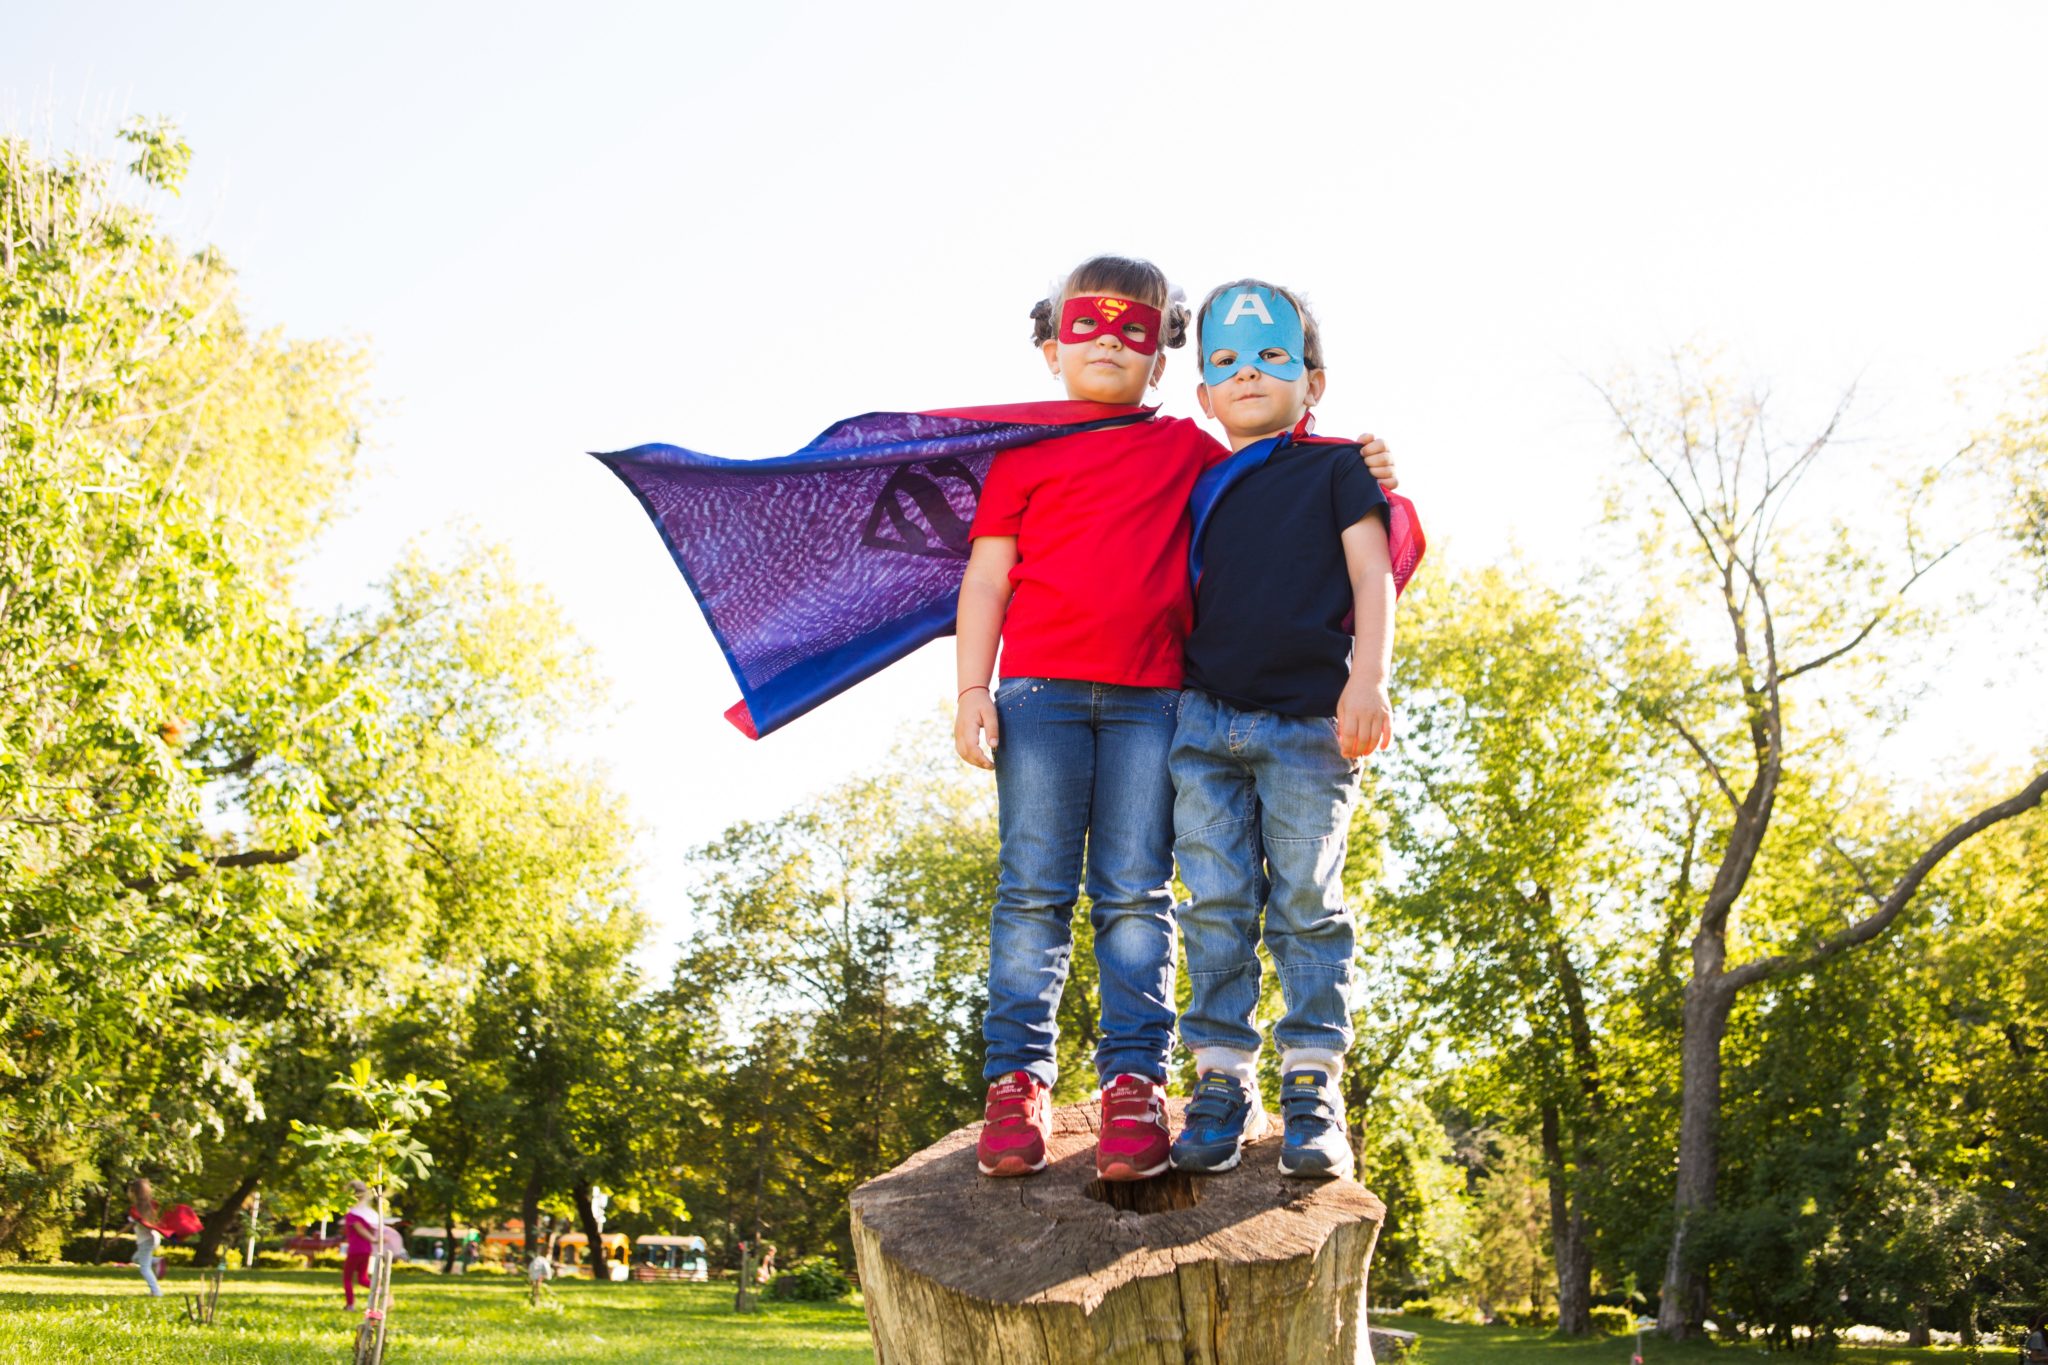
(1284, 694)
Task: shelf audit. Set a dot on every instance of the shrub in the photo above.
(814, 1279)
(1527, 1317)
(280, 1260)
(1444, 1310)
(332, 1258)
(1613, 1322)
(487, 1268)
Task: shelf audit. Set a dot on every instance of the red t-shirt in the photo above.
(1101, 519)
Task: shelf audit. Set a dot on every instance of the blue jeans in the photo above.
(1261, 817)
(1082, 766)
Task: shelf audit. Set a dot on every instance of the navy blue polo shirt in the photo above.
(1271, 608)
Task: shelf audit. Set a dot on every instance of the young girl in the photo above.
(360, 1237)
(1079, 566)
(144, 1220)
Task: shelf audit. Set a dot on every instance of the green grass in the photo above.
(52, 1315)
(56, 1315)
(1444, 1343)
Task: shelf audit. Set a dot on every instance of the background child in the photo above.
(1292, 547)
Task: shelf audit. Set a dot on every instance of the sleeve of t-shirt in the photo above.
(1354, 493)
(1208, 450)
(1004, 493)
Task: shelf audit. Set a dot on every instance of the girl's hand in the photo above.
(977, 717)
(1365, 718)
(1378, 462)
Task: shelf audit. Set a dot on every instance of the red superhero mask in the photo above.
(1135, 324)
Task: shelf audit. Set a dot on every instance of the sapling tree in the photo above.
(385, 1156)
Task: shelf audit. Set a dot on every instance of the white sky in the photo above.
(727, 227)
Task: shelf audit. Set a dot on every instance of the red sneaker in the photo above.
(1134, 1144)
(1015, 1125)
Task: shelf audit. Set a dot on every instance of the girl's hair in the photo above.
(1311, 335)
(359, 1189)
(145, 1201)
(1125, 277)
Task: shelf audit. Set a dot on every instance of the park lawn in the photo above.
(1444, 1343)
(52, 1315)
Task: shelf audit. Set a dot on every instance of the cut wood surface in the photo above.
(1241, 1268)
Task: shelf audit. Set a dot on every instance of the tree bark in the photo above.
(1570, 1249)
(448, 1262)
(586, 1214)
(215, 1227)
(529, 1211)
(1246, 1266)
(1708, 1002)
(1921, 1332)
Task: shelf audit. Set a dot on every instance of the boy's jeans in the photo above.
(1082, 766)
(1262, 813)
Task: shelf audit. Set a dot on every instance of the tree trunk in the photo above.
(215, 1227)
(529, 1212)
(1573, 1254)
(586, 1214)
(1247, 1266)
(1921, 1332)
(448, 1264)
(99, 1251)
(1683, 1309)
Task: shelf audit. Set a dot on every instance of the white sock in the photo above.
(1228, 1060)
(1331, 1064)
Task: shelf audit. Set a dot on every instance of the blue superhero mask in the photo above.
(1250, 321)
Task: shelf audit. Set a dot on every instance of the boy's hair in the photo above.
(1311, 335)
(1124, 276)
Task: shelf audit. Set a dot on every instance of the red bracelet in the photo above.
(978, 687)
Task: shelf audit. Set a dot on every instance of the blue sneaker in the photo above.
(1221, 1118)
(1315, 1147)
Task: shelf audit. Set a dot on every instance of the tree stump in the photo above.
(1242, 1268)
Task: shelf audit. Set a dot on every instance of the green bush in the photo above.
(487, 1268)
(1443, 1310)
(331, 1259)
(1527, 1317)
(814, 1279)
(1613, 1322)
(280, 1260)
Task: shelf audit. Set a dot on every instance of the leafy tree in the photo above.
(1795, 610)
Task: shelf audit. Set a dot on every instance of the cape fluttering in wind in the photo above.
(819, 569)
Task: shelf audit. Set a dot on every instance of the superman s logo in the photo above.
(913, 514)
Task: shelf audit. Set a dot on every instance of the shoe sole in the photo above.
(1122, 1171)
(1253, 1131)
(1207, 1167)
(1010, 1166)
(1342, 1172)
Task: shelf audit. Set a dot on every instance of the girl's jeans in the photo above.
(1262, 814)
(1082, 766)
(145, 1260)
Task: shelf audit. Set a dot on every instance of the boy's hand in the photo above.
(977, 717)
(1365, 718)
(1378, 462)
